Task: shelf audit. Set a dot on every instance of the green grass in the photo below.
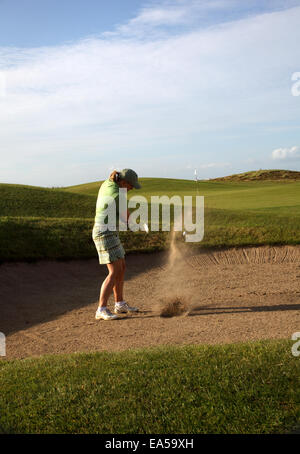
(30, 201)
(30, 239)
(238, 388)
(42, 223)
(73, 202)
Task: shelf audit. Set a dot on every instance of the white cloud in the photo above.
(167, 13)
(173, 13)
(292, 153)
(160, 16)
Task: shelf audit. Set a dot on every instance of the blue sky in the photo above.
(163, 87)
(31, 23)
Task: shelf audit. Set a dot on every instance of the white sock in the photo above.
(120, 303)
(101, 308)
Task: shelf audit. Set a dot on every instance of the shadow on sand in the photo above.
(33, 293)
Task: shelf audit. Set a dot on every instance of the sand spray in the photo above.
(173, 294)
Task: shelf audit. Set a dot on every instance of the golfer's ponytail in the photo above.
(115, 176)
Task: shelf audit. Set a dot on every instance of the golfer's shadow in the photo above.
(139, 314)
(41, 292)
(213, 310)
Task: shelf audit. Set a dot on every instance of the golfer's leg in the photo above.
(119, 283)
(109, 282)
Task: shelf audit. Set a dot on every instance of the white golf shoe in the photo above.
(123, 308)
(105, 314)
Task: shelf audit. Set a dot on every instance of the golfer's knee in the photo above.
(112, 275)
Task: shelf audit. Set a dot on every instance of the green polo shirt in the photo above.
(111, 189)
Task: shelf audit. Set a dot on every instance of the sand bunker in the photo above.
(230, 296)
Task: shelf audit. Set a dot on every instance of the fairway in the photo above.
(79, 201)
(236, 214)
(231, 195)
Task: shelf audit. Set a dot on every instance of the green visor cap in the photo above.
(131, 177)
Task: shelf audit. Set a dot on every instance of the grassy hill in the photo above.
(80, 201)
(263, 175)
(151, 186)
(30, 201)
(38, 222)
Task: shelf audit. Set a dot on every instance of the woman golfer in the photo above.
(108, 244)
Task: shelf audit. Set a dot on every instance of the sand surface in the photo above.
(231, 295)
